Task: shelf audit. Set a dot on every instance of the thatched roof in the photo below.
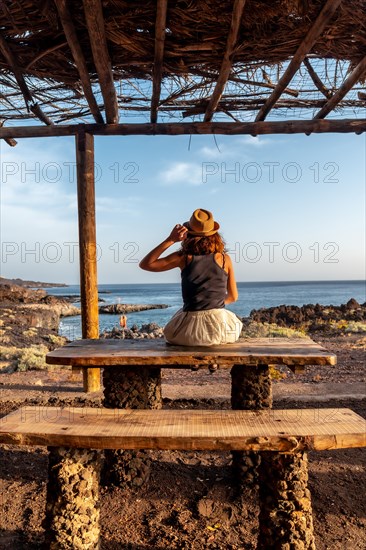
(176, 59)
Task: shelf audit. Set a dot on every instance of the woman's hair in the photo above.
(203, 245)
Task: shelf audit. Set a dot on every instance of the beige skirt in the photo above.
(203, 328)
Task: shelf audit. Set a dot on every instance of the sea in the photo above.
(251, 296)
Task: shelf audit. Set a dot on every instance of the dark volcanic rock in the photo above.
(352, 304)
(129, 308)
(16, 294)
(313, 316)
(149, 330)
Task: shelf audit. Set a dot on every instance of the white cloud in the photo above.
(213, 152)
(181, 172)
(257, 141)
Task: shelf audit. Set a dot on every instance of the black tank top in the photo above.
(204, 284)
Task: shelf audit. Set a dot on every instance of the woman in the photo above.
(208, 283)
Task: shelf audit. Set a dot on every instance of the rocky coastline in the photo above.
(129, 308)
(29, 316)
(29, 320)
(313, 318)
(30, 284)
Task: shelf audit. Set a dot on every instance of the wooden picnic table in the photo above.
(293, 352)
(273, 455)
(132, 370)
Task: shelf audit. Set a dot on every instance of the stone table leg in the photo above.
(285, 519)
(130, 388)
(72, 509)
(251, 389)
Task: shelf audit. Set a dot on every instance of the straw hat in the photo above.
(202, 223)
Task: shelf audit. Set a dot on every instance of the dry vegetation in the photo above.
(195, 41)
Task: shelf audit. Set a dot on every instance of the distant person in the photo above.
(208, 283)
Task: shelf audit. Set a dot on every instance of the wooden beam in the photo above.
(10, 141)
(227, 60)
(87, 248)
(357, 126)
(305, 47)
(160, 25)
(98, 41)
(18, 73)
(317, 81)
(78, 55)
(357, 73)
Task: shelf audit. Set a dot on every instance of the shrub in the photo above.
(8, 353)
(30, 332)
(56, 340)
(269, 330)
(355, 326)
(32, 358)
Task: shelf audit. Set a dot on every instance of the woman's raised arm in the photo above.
(152, 260)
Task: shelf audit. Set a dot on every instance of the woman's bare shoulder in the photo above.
(228, 260)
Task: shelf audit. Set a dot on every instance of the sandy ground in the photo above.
(190, 502)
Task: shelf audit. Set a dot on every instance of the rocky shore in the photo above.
(30, 319)
(314, 318)
(149, 330)
(29, 323)
(30, 284)
(129, 308)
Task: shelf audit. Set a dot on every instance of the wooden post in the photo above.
(87, 248)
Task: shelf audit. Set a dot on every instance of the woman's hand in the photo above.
(178, 233)
(153, 262)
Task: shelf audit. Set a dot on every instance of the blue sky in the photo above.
(290, 207)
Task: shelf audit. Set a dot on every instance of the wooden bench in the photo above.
(74, 437)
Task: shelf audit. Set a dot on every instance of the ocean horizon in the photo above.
(252, 295)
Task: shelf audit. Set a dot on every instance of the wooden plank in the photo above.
(270, 430)
(305, 47)
(357, 126)
(251, 351)
(95, 22)
(227, 61)
(78, 55)
(87, 248)
(160, 25)
(357, 73)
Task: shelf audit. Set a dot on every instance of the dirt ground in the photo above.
(190, 501)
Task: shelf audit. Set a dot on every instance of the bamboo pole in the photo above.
(87, 248)
(318, 126)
